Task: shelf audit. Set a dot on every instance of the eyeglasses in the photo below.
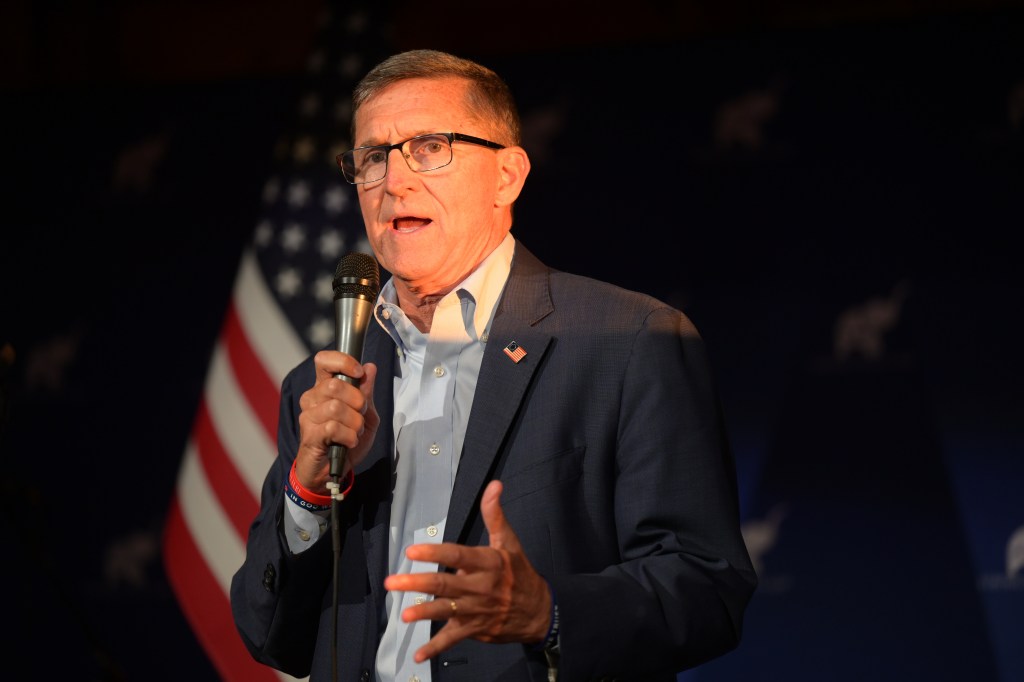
(422, 153)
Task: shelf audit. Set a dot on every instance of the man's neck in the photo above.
(418, 308)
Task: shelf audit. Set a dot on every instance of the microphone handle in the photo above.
(351, 317)
(336, 453)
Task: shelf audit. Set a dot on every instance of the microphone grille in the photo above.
(357, 276)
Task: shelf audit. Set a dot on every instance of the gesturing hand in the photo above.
(494, 595)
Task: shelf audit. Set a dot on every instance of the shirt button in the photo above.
(414, 678)
(483, 337)
(435, 449)
(304, 535)
(386, 314)
(439, 371)
(431, 531)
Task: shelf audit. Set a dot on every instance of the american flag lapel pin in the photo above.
(514, 351)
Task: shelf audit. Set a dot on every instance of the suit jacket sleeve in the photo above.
(676, 595)
(276, 597)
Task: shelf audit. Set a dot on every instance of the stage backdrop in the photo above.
(829, 205)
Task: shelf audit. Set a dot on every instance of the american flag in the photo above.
(515, 351)
(279, 311)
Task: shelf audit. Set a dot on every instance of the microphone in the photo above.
(356, 286)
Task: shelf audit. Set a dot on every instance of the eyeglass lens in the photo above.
(424, 153)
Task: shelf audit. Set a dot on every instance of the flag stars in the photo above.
(288, 283)
(363, 246)
(323, 288)
(304, 149)
(263, 234)
(330, 243)
(335, 199)
(271, 190)
(320, 332)
(293, 238)
(298, 194)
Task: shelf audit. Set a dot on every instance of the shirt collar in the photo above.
(483, 287)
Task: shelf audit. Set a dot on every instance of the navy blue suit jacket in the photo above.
(617, 476)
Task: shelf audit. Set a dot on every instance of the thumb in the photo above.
(501, 534)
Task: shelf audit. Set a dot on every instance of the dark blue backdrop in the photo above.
(833, 207)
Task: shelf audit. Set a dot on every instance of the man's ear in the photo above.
(514, 166)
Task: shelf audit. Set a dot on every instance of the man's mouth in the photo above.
(408, 224)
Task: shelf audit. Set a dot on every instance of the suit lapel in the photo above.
(380, 350)
(501, 386)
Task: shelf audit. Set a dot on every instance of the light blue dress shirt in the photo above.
(435, 380)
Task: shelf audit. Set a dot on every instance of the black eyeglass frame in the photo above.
(386, 148)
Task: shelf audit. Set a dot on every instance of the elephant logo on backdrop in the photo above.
(760, 536)
(1015, 554)
(860, 331)
(1012, 577)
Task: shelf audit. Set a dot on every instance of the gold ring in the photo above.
(454, 608)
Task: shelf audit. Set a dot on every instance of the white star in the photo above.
(293, 237)
(271, 189)
(321, 331)
(304, 149)
(264, 231)
(363, 246)
(309, 105)
(288, 283)
(298, 194)
(335, 200)
(331, 243)
(323, 287)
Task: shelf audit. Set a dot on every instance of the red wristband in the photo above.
(309, 496)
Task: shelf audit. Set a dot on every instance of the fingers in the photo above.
(499, 597)
(329, 363)
(502, 535)
(334, 411)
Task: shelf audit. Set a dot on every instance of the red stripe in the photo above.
(233, 492)
(262, 392)
(205, 605)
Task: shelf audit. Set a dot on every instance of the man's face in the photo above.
(431, 229)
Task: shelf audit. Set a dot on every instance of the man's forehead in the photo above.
(412, 107)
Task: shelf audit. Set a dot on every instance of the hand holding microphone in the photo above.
(356, 286)
(333, 414)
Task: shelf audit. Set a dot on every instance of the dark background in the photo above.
(771, 168)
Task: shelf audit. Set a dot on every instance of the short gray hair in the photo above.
(489, 96)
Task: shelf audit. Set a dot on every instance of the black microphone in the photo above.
(356, 286)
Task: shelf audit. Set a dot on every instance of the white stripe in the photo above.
(211, 530)
(237, 426)
(268, 330)
(210, 527)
